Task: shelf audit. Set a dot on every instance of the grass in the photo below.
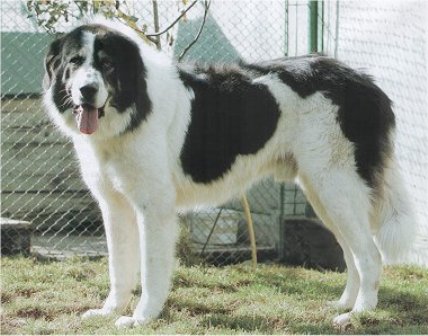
(47, 297)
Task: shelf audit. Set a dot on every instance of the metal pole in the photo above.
(313, 26)
(321, 35)
(286, 29)
(336, 44)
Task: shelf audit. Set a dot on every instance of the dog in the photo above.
(155, 137)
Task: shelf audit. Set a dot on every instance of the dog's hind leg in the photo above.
(343, 202)
(349, 295)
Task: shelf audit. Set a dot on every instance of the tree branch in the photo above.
(207, 4)
(163, 31)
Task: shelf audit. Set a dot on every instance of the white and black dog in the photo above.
(154, 137)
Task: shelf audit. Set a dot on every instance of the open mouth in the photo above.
(87, 117)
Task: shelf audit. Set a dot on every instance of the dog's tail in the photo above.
(396, 221)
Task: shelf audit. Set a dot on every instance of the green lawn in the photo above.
(47, 297)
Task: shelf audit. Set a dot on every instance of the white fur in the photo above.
(87, 75)
(139, 183)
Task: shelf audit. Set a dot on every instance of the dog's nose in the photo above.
(88, 91)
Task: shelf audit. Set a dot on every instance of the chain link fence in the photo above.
(40, 178)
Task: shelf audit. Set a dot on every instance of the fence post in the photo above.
(313, 26)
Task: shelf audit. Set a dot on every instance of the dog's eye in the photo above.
(77, 60)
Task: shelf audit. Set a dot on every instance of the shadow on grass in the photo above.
(294, 283)
(408, 307)
(239, 323)
(194, 307)
(399, 311)
(287, 281)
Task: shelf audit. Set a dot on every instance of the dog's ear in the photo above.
(52, 61)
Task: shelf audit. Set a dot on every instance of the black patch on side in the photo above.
(230, 116)
(365, 114)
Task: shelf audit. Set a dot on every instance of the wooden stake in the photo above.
(250, 227)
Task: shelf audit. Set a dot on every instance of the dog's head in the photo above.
(95, 82)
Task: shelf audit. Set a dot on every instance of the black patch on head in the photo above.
(230, 116)
(126, 74)
(118, 59)
(365, 114)
(54, 73)
(58, 66)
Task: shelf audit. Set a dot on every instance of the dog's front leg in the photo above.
(158, 234)
(122, 241)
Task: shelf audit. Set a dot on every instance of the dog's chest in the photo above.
(118, 169)
(106, 166)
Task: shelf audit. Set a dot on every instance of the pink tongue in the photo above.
(87, 119)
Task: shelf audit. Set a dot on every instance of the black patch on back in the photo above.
(365, 114)
(230, 116)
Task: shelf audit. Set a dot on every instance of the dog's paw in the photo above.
(342, 321)
(129, 322)
(125, 322)
(97, 312)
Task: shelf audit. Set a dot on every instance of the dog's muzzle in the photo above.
(87, 113)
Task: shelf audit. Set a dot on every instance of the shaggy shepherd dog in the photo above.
(154, 137)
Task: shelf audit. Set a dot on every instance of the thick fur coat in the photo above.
(154, 137)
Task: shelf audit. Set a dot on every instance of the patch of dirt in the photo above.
(35, 313)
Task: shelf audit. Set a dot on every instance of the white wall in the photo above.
(389, 40)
